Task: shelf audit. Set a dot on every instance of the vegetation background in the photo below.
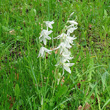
(28, 82)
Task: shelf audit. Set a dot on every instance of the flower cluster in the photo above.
(64, 46)
(44, 36)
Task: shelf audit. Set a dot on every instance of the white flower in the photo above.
(63, 47)
(49, 24)
(71, 30)
(66, 56)
(69, 40)
(42, 51)
(45, 35)
(65, 66)
(72, 22)
(65, 39)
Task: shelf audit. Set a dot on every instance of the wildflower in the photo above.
(66, 56)
(63, 47)
(45, 35)
(42, 51)
(69, 40)
(65, 66)
(49, 24)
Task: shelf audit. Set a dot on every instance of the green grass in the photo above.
(28, 82)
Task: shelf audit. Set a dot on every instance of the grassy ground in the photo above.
(28, 82)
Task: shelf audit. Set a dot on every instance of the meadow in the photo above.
(29, 82)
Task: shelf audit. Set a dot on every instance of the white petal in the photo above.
(67, 44)
(67, 57)
(69, 64)
(60, 36)
(47, 37)
(71, 14)
(72, 22)
(47, 50)
(44, 40)
(42, 51)
(49, 32)
(49, 24)
(67, 68)
(70, 30)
